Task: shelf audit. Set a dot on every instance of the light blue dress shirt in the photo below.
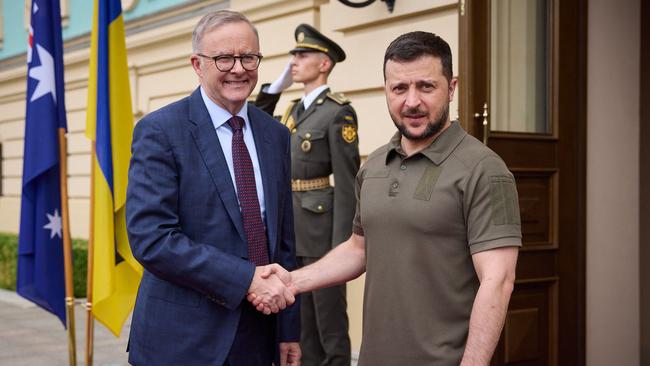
(220, 119)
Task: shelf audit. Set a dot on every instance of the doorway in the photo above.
(523, 92)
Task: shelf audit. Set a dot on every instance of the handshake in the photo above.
(272, 289)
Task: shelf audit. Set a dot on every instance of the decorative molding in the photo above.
(170, 16)
(17, 97)
(261, 11)
(65, 13)
(162, 65)
(134, 83)
(128, 5)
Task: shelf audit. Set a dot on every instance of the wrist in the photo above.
(299, 282)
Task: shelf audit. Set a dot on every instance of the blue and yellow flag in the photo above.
(116, 273)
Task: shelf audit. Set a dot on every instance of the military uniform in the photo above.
(323, 141)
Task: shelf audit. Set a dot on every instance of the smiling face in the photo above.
(228, 89)
(418, 96)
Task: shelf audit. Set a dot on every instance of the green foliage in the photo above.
(79, 266)
(9, 255)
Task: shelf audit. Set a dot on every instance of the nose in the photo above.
(412, 98)
(237, 68)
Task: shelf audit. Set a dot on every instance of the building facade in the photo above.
(564, 88)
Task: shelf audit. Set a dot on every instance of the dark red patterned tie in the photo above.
(247, 193)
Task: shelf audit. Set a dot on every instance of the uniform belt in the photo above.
(301, 185)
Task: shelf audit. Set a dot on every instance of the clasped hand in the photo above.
(271, 289)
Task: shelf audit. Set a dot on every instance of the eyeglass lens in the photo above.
(227, 62)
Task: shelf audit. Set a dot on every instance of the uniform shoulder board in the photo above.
(338, 98)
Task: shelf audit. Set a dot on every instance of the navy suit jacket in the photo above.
(186, 229)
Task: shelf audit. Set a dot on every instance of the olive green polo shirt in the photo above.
(423, 217)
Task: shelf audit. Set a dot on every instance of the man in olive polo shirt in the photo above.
(436, 230)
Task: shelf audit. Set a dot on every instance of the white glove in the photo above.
(282, 82)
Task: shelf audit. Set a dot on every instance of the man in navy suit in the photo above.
(205, 220)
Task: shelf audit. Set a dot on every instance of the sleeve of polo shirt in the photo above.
(491, 206)
(356, 223)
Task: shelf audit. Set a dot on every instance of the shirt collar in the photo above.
(221, 116)
(437, 151)
(308, 99)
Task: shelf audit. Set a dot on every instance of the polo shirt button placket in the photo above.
(394, 189)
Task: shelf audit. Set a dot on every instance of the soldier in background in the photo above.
(324, 141)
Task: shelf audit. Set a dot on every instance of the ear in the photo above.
(196, 65)
(452, 88)
(325, 64)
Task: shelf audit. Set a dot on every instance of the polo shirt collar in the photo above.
(438, 150)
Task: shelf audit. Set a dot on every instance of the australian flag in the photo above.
(40, 276)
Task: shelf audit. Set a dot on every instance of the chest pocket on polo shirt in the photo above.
(377, 173)
(312, 146)
(375, 180)
(427, 183)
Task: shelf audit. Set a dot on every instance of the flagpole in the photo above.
(90, 321)
(67, 248)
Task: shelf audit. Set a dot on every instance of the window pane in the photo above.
(519, 69)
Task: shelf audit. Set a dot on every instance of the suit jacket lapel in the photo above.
(208, 144)
(265, 156)
(311, 109)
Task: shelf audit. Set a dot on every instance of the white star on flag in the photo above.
(44, 73)
(54, 224)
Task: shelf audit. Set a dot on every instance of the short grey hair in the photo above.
(215, 20)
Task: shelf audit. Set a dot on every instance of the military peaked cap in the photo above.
(308, 39)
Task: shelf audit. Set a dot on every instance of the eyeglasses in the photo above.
(225, 63)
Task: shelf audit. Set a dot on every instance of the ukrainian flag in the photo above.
(115, 272)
